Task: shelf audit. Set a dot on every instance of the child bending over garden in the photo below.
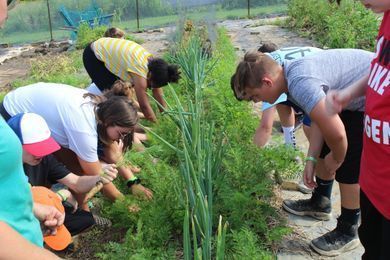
(109, 59)
(335, 143)
(43, 169)
(374, 231)
(90, 129)
(284, 107)
(19, 216)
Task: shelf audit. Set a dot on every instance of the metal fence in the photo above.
(40, 20)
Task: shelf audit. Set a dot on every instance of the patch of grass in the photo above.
(37, 36)
(245, 245)
(349, 25)
(149, 22)
(2, 94)
(281, 160)
(66, 68)
(219, 14)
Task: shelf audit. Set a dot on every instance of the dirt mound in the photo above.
(15, 61)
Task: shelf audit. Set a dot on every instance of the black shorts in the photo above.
(374, 231)
(348, 173)
(77, 222)
(100, 75)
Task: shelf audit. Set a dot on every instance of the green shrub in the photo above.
(231, 4)
(245, 245)
(86, 35)
(2, 95)
(349, 25)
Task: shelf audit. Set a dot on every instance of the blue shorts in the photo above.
(282, 100)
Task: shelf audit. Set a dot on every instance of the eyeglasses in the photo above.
(123, 135)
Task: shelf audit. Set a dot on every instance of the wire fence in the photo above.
(41, 20)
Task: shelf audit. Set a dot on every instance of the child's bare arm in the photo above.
(315, 144)
(15, 246)
(333, 131)
(140, 86)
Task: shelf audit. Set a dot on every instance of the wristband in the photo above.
(132, 181)
(311, 158)
(61, 195)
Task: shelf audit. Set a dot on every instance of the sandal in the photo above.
(102, 222)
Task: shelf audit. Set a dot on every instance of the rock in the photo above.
(159, 30)
(289, 185)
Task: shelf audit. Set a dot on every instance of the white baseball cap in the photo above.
(34, 134)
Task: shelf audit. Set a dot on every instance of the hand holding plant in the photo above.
(140, 191)
(109, 173)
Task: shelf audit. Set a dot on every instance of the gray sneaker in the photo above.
(342, 239)
(303, 188)
(317, 206)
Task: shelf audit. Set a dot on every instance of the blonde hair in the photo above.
(114, 32)
(250, 72)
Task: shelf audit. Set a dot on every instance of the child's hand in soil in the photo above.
(141, 191)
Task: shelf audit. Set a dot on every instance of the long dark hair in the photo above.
(114, 108)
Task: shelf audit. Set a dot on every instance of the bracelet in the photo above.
(132, 181)
(311, 158)
(61, 195)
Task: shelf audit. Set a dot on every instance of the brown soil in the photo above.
(15, 61)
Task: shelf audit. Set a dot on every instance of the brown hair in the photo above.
(114, 32)
(267, 47)
(250, 71)
(114, 108)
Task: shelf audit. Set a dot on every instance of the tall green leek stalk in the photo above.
(200, 151)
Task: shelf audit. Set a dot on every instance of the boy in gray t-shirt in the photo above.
(335, 140)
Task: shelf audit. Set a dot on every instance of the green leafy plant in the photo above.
(348, 25)
(200, 155)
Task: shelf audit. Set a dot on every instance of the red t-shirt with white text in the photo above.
(375, 164)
